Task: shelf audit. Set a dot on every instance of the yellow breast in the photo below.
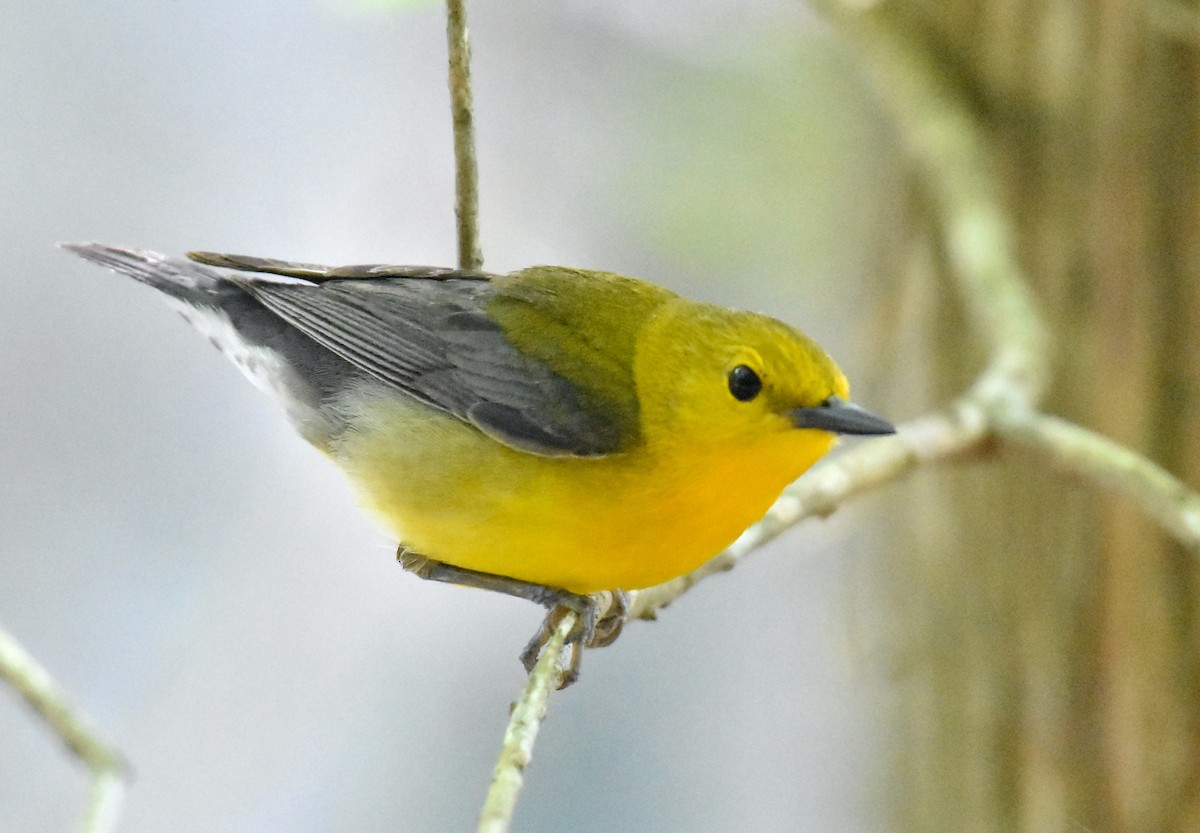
(628, 520)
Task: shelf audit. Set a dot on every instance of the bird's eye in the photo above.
(744, 383)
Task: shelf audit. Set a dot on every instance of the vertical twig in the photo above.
(36, 687)
(466, 179)
(522, 731)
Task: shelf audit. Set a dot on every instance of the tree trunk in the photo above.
(1048, 648)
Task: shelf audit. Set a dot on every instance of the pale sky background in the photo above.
(202, 582)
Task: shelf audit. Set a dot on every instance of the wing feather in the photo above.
(432, 339)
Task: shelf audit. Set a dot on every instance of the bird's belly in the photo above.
(452, 494)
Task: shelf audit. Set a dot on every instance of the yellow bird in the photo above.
(549, 433)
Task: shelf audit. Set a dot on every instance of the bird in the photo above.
(551, 433)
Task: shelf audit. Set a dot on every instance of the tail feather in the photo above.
(275, 356)
(181, 279)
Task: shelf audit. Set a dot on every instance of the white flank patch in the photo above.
(261, 365)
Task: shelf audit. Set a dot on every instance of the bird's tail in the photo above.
(277, 358)
(182, 279)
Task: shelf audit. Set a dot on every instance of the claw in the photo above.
(592, 630)
(571, 673)
(610, 625)
(533, 648)
(579, 636)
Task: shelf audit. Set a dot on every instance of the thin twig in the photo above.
(466, 176)
(35, 685)
(522, 731)
(1100, 460)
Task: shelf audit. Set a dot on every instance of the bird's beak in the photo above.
(841, 417)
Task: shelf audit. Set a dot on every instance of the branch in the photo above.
(38, 689)
(1144, 483)
(522, 731)
(466, 180)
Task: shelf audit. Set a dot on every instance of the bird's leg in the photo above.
(592, 631)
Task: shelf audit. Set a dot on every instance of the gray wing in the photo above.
(430, 337)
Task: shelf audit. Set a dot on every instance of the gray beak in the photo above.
(841, 417)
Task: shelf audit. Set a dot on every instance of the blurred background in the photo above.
(201, 581)
(992, 646)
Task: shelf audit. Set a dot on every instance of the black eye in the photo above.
(744, 383)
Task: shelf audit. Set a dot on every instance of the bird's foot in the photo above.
(601, 616)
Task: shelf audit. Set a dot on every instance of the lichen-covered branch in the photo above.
(36, 687)
(523, 724)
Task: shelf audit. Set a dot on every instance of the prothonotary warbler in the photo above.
(549, 433)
